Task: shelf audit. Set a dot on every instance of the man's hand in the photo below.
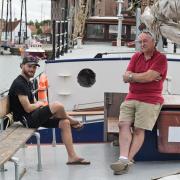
(39, 104)
(158, 78)
(126, 76)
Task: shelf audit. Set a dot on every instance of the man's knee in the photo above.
(63, 124)
(138, 131)
(124, 124)
(56, 106)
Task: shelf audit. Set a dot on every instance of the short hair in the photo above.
(146, 31)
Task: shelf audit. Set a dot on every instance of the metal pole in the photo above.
(59, 40)
(7, 13)
(54, 137)
(63, 30)
(11, 18)
(39, 166)
(138, 22)
(66, 26)
(20, 22)
(25, 18)
(54, 40)
(120, 18)
(16, 164)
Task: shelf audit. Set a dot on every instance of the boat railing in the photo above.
(60, 38)
(34, 84)
(3, 93)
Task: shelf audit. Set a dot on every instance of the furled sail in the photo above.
(163, 18)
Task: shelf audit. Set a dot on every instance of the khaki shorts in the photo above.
(142, 115)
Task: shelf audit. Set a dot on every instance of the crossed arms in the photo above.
(144, 77)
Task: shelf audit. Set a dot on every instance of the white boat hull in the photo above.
(64, 85)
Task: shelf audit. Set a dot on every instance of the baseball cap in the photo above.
(30, 60)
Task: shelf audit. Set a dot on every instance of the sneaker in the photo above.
(124, 171)
(131, 162)
(120, 165)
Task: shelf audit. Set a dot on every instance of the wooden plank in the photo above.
(112, 125)
(4, 106)
(87, 113)
(8, 131)
(13, 141)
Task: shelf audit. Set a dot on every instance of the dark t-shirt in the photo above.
(20, 86)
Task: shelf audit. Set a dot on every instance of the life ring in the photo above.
(42, 89)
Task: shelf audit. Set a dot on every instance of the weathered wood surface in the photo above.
(12, 139)
(4, 106)
(113, 125)
(83, 113)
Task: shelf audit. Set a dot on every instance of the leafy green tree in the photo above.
(39, 31)
(37, 24)
(30, 22)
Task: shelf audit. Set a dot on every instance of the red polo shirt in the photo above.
(150, 92)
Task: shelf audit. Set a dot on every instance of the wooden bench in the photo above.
(112, 102)
(13, 138)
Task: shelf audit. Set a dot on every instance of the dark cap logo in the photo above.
(31, 60)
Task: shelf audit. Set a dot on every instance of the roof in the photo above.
(11, 26)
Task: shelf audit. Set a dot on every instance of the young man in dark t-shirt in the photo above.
(33, 114)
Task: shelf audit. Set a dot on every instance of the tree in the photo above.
(39, 31)
(30, 22)
(37, 24)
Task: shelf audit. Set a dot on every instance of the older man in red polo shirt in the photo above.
(145, 74)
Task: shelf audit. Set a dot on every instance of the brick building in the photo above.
(108, 7)
(98, 7)
(103, 28)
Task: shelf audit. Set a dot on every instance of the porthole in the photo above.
(86, 78)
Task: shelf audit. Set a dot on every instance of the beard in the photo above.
(29, 74)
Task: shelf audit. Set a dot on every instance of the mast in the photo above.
(7, 13)
(120, 18)
(11, 20)
(23, 3)
(81, 13)
(2, 8)
(25, 18)
(20, 22)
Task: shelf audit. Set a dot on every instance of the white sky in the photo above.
(36, 9)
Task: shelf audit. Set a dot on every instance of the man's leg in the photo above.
(137, 142)
(66, 134)
(125, 138)
(58, 111)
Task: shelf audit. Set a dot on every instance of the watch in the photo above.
(130, 77)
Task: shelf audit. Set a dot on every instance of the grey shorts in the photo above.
(141, 115)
